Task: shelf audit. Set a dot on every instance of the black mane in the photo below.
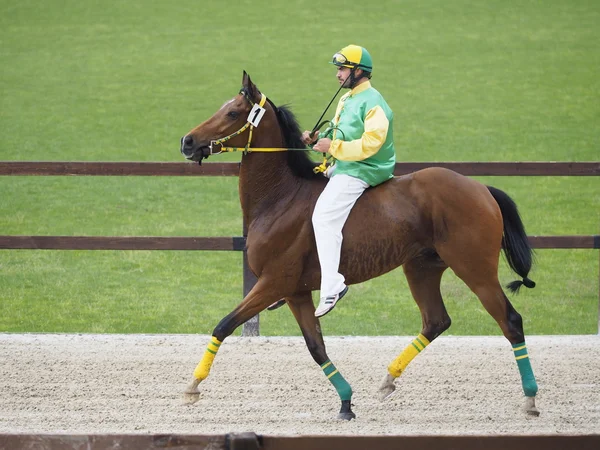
(299, 162)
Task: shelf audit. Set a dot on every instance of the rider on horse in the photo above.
(361, 141)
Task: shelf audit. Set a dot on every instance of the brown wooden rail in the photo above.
(252, 441)
(121, 243)
(232, 169)
(213, 243)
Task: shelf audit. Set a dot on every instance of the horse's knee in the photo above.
(432, 329)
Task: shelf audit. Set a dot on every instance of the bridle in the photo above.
(247, 126)
(258, 109)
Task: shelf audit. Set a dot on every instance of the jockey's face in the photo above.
(343, 76)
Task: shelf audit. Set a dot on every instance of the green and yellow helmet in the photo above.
(353, 57)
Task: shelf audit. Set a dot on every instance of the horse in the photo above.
(426, 222)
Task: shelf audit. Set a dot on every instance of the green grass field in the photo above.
(123, 81)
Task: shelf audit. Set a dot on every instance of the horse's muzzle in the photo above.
(192, 150)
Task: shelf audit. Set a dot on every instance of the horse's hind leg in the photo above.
(424, 275)
(480, 274)
(495, 302)
(304, 311)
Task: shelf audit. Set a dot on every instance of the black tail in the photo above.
(514, 240)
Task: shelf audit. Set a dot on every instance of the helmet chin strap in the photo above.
(353, 78)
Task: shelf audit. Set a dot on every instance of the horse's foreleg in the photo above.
(304, 311)
(192, 394)
(398, 366)
(261, 295)
(424, 275)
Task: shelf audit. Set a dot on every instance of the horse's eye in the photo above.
(233, 114)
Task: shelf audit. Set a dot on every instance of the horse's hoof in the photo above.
(189, 398)
(387, 388)
(191, 394)
(346, 416)
(346, 411)
(530, 407)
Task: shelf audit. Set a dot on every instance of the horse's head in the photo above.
(231, 118)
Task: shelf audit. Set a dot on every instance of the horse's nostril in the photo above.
(187, 141)
(187, 145)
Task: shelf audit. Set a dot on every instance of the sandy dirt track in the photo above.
(270, 385)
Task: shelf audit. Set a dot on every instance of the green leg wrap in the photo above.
(339, 382)
(530, 386)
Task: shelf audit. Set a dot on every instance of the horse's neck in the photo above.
(265, 181)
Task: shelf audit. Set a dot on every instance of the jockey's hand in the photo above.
(308, 139)
(323, 145)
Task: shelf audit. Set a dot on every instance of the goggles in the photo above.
(340, 60)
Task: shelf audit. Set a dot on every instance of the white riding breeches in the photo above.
(331, 211)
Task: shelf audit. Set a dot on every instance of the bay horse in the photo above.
(426, 222)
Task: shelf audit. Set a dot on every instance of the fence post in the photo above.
(251, 327)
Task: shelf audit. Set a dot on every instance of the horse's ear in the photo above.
(250, 87)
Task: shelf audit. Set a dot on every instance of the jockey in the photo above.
(361, 141)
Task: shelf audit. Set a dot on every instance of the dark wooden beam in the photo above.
(507, 168)
(565, 241)
(120, 243)
(118, 168)
(251, 441)
(232, 168)
(214, 243)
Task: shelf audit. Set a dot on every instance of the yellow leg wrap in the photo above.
(408, 354)
(203, 367)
